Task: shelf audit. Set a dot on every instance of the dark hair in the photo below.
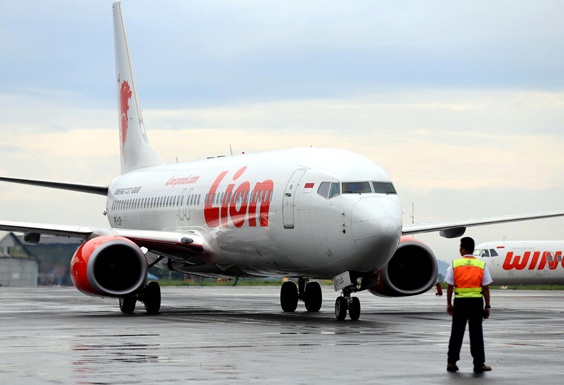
(468, 244)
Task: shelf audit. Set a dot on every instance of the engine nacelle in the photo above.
(412, 270)
(109, 266)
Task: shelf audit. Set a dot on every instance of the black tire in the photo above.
(313, 297)
(354, 311)
(289, 296)
(341, 308)
(127, 305)
(152, 298)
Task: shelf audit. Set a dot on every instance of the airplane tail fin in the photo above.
(135, 150)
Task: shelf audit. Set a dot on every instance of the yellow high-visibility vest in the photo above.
(468, 275)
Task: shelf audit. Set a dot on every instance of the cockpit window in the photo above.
(332, 189)
(335, 190)
(485, 253)
(384, 188)
(356, 188)
(323, 189)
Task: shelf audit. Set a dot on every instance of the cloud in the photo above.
(427, 140)
(200, 53)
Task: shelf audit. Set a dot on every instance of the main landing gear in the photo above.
(150, 296)
(308, 292)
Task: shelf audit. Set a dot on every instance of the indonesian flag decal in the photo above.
(309, 185)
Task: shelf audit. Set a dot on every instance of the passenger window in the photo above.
(384, 188)
(356, 188)
(334, 190)
(323, 189)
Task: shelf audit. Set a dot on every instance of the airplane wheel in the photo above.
(341, 308)
(152, 298)
(354, 311)
(289, 296)
(127, 305)
(313, 297)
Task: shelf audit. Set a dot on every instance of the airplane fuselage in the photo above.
(524, 262)
(307, 211)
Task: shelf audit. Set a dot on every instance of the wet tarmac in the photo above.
(239, 335)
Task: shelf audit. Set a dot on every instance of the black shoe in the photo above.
(481, 369)
(452, 367)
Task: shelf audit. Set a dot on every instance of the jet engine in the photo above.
(109, 266)
(412, 270)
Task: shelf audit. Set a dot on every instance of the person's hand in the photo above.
(450, 309)
(486, 313)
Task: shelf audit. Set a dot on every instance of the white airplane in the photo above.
(306, 213)
(523, 262)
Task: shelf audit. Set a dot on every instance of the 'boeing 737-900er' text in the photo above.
(305, 213)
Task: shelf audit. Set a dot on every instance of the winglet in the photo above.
(135, 150)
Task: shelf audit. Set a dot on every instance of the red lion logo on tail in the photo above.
(124, 96)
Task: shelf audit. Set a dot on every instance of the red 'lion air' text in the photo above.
(237, 204)
(537, 261)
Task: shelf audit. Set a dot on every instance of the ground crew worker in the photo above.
(468, 278)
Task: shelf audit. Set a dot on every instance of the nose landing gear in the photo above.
(346, 303)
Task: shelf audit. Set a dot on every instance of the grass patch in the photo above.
(521, 287)
(221, 282)
(529, 287)
(228, 282)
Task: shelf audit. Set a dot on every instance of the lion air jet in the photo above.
(305, 213)
(524, 262)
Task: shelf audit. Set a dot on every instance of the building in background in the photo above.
(18, 266)
(46, 263)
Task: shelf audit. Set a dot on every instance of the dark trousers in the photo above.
(471, 311)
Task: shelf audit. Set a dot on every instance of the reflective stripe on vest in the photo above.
(468, 275)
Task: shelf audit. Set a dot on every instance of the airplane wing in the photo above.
(165, 242)
(457, 228)
(178, 244)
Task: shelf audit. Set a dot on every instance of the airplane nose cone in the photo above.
(376, 227)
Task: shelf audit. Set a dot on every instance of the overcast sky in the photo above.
(462, 102)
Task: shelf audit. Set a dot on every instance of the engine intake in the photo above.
(412, 270)
(109, 266)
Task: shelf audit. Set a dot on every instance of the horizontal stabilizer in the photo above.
(90, 189)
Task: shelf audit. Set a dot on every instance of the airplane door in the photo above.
(182, 207)
(288, 203)
(189, 200)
